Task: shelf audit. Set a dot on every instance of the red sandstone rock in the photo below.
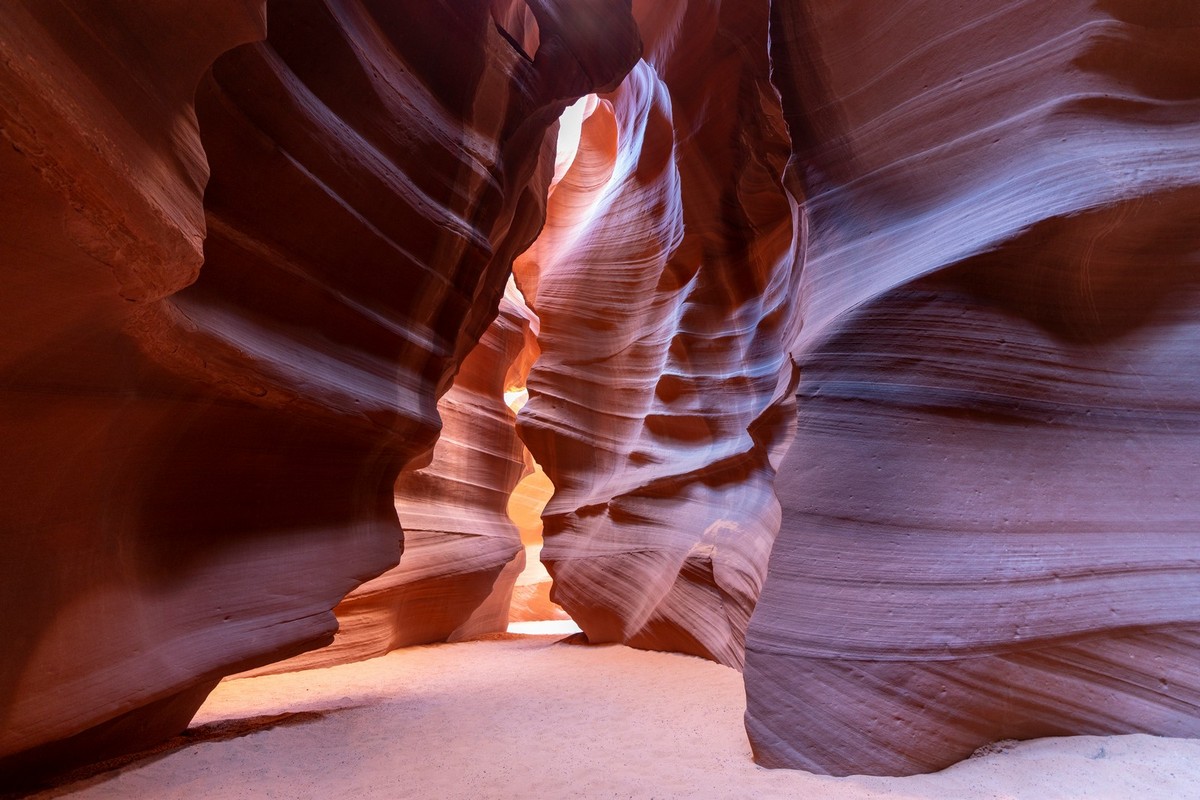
(664, 282)
(990, 517)
(208, 387)
(103, 174)
(193, 477)
(462, 553)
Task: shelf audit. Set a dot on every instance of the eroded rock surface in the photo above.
(990, 519)
(665, 281)
(209, 385)
(202, 434)
(462, 553)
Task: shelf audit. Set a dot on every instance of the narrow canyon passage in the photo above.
(532, 610)
(829, 368)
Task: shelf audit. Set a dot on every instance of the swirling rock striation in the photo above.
(990, 524)
(664, 282)
(202, 432)
(462, 552)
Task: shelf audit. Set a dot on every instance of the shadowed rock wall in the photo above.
(202, 432)
(991, 526)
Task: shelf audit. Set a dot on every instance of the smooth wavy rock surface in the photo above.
(462, 552)
(531, 595)
(208, 391)
(991, 527)
(664, 282)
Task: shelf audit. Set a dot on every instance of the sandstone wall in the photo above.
(664, 281)
(208, 390)
(990, 516)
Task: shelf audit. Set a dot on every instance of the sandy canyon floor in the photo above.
(529, 716)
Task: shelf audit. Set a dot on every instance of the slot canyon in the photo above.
(829, 368)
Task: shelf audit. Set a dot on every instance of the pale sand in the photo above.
(523, 717)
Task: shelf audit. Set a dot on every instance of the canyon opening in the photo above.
(836, 360)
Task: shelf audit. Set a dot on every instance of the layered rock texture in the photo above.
(246, 280)
(462, 552)
(210, 384)
(664, 282)
(991, 527)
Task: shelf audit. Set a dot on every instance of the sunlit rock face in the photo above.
(531, 595)
(665, 282)
(462, 553)
(208, 391)
(990, 518)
